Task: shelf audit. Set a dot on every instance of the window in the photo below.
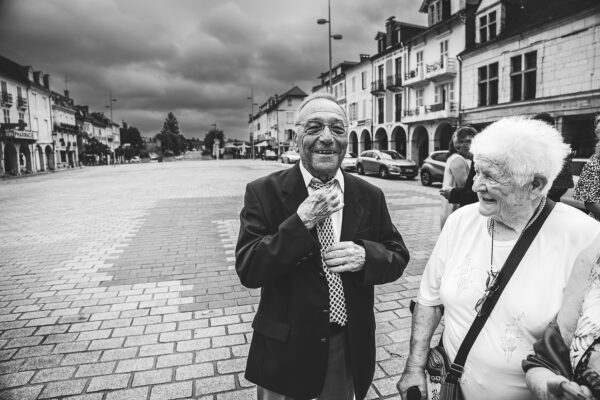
(398, 66)
(488, 85)
(419, 55)
(34, 98)
(6, 113)
(353, 112)
(21, 117)
(443, 51)
(289, 102)
(19, 93)
(364, 79)
(487, 27)
(380, 110)
(398, 106)
(3, 85)
(523, 76)
(435, 12)
(35, 126)
(364, 109)
(45, 103)
(419, 93)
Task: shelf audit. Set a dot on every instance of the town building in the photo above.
(65, 130)
(359, 105)
(273, 126)
(26, 141)
(534, 56)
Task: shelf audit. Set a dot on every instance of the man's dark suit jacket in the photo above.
(465, 195)
(275, 252)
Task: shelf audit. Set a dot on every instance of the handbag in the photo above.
(443, 381)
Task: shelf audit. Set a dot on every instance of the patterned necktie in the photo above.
(337, 302)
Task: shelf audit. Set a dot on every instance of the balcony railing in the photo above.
(7, 99)
(415, 77)
(22, 103)
(431, 112)
(443, 69)
(377, 87)
(394, 83)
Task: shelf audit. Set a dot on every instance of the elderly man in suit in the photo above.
(316, 240)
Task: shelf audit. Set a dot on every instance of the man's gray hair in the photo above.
(318, 96)
(524, 147)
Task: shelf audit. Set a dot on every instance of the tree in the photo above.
(170, 125)
(131, 135)
(172, 142)
(209, 139)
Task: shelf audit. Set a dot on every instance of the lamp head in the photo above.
(322, 21)
(337, 37)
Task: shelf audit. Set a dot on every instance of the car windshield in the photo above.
(391, 155)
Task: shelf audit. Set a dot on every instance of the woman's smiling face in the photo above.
(500, 196)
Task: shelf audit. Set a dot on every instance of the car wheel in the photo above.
(383, 172)
(425, 178)
(360, 169)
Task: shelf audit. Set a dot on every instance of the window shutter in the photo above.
(445, 9)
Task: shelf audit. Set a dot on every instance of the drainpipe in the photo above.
(459, 88)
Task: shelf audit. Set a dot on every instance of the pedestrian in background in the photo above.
(316, 240)
(463, 195)
(456, 172)
(564, 180)
(468, 261)
(588, 185)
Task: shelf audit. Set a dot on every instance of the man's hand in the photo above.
(319, 205)
(344, 257)
(412, 377)
(560, 388)
(445, 192)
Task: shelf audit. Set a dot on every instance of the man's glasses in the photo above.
(316, 127)
(491, 284)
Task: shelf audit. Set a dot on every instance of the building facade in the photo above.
(541, 56)
(65, 130)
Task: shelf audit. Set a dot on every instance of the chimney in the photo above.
(363, 57)
(389, 30)
(47, 81)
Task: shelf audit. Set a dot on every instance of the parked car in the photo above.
(386, 163)
(269, 155)
(349, 162)
(433, 167)
(135, 159)
(290, 157)
(577, 165)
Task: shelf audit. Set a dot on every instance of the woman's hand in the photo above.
(560, 388)
(412, 376)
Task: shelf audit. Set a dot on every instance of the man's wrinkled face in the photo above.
(322, 138)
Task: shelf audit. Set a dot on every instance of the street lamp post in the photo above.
(110, 105)
(327, 21)
(252, 104)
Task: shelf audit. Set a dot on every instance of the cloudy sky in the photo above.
(196, 58)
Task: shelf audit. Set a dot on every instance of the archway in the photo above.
(399, 140)
(381, 140)
(419, 144)
(365, 140)
(442, 136)
(40, 157)
(353, 143)
(25, 162)
(11, 159)
(50, 165)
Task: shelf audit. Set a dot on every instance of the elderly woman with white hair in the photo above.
(516, 161)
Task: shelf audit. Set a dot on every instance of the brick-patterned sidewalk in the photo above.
(119, 283)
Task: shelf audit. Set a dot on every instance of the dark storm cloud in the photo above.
(198, 59)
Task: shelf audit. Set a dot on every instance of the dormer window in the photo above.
(488, 27)
(435, 12)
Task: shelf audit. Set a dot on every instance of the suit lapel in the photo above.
(353, 209)
(293, 190)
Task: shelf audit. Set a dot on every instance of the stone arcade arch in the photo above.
(39, 155)
(25, 159)
(419, 144)
(442, 136)
(353, 143)
(11, 159)
(365, 140)
(399, 140)
(381, 139)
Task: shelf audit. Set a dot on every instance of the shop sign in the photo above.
(16, 134)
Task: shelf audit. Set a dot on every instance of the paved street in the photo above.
(119, 282)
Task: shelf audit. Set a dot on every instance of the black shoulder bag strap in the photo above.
(509, 267)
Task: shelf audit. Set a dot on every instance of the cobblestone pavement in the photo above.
(119, 282)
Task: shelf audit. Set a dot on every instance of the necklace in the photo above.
(491, 229)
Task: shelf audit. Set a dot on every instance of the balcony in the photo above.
(431, 112)
(415, 78)
(394, 83)
(22, 103)
(7, 99)
(377, 88)
(442, 70)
